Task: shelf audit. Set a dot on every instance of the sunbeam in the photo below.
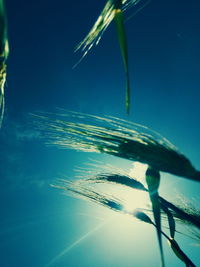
(74, 244)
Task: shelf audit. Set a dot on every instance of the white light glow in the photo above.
(136, 198)
(138, 171)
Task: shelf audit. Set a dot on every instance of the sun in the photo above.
(135, 198)
(130, 198)
(138, 171)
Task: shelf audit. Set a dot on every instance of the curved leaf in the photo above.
(119, 21)
(180, 254)
(171, 221)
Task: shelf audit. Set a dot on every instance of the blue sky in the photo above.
(39, 223)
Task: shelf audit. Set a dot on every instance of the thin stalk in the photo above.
(177, 250)
(174, 245)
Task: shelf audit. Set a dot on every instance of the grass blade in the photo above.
(171, 221)
(153, 182)
(180, 254)
(119, 21)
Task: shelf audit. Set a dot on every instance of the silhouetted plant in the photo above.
(115, 137)
(130, 141)
(126, 140)
(84, 188)
(4, 50)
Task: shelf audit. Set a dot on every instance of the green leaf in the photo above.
(119, 21)
(180, 254)
(153, 181)
(171, 221)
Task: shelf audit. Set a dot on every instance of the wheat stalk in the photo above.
(113, 10)
(115, 137)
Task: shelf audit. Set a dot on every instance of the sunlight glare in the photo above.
(136, 198)
(138, 171)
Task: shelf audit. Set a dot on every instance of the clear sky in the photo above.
(40, 226)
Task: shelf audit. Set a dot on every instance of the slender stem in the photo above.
(182, 256)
